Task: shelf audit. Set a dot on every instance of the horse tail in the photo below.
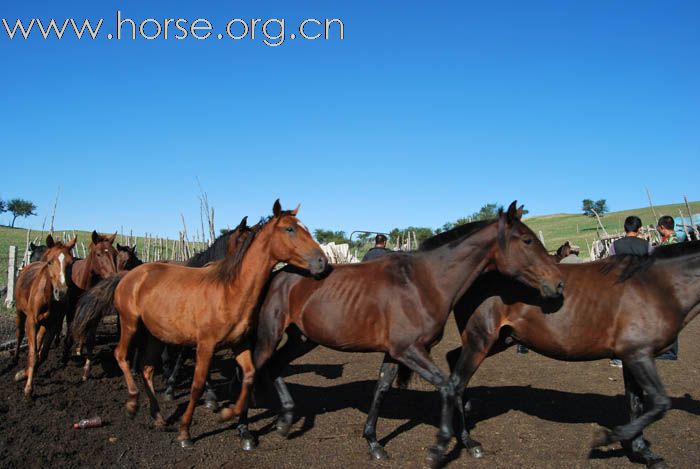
(93, 305)
(403, 376)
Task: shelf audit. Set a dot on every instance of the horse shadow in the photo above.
(418, 407)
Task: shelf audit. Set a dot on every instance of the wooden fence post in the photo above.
(11, 272)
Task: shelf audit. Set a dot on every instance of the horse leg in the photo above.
(387, 374)
(68, 339)
(637, 447)
(151, 355)
(128, 330)
(30, 330)
(245, 361)
(210, 400)
(20, 320)
(643, 370)
(294, 348)
(172, 379)
(418, 359)
(201, 367)
(477, 342)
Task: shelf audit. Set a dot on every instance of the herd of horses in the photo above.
(494, 277)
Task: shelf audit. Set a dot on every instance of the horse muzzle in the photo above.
(59, 293)
(549, 290)
(318, 263)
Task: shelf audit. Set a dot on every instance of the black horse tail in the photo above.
(93, 305)
(403, 376)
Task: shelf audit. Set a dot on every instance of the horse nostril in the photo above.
(560, 287)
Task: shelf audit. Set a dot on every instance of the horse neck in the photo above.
(84, 276)
(254, 270)
(455, 268)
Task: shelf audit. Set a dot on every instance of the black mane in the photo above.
(215, 252)
(454, 234)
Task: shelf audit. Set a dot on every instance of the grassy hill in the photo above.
(556, 229)
(582, 230)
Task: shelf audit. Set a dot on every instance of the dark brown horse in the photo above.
(100, 263)
(625, 307)
(207, 306)
(42, 288)
(127, 258)
(397, 304)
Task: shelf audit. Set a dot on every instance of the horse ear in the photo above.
(32, 246)
(296, 210)
(72, 242)
(243, 223)
(112, 238)
(49, 241)
(120, 247)
(95, 237)
(519, 212)
(277, 208)
(512, 212)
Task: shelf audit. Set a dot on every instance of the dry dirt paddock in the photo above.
(529, 411)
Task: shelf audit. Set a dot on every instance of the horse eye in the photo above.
(290, 229)
(527, 240)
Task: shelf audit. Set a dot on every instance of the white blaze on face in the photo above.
(61, 257)
(303, 227)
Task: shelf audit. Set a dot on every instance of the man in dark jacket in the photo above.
(631, 243)
(378, 250)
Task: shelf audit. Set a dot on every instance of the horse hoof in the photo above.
(477, 452)
(159, 422)
(212, 405)
(434, 459)
(657, 464)
(283, 428)
(601, 437)
(248, 443)
(27, 395)
(226, 414)
(378, 453)
(131, 409)
(186, 443)
(20, 375)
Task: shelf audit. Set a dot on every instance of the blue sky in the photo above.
(423, 113)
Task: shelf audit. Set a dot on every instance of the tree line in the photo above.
(18, 208)
(486, 212)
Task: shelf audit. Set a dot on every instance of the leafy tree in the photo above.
(487, 212)
(599, 206)
(3, 206)
(20, 208)
(328, 236)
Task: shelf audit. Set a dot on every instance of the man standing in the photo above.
(665, 227)
(631, 243)
(378, 250)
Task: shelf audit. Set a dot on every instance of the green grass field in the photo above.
(581, 230)
(556, 229)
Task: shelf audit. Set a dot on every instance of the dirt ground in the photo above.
(529, 411)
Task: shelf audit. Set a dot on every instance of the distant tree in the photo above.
(487, 212)
(20, 208)
(328, 236)
(3, 206)
(599, 206)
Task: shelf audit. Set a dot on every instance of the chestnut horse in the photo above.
(42, 288)
(207, 306)
(397, 304)
(625, 307)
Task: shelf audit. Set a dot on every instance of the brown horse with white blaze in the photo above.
(208, 306)
(42, 288)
